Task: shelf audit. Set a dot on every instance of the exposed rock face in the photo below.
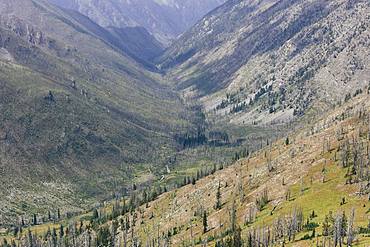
(22, 29)
(164, 19)
(265, 61)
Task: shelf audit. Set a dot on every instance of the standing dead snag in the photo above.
(250, 215)
(233, 217)
(338, 230)
(350, 228)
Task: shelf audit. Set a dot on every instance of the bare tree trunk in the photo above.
(350, 231)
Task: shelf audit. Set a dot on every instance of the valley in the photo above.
(74, 107)
(145, 124)
(82, 120)
(283, 193)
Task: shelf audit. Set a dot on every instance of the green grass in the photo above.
(321, 198)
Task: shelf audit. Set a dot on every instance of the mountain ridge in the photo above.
(245, 52)
(163, 19)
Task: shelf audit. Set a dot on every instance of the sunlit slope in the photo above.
(314, 172)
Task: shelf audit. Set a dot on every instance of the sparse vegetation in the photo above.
(97, 149)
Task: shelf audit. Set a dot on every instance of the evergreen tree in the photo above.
(61, 231)
(205, 222)
(95, 214)
(233, 217)
(218, 197)
(237, 238)
(250, 240)
(5, 243)
(15, 232)
(34, 221)
(104, 237)
(327, 225)
(54, 238)
(30, 238)
(313, 233)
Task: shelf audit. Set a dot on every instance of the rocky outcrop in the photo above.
(23, 30)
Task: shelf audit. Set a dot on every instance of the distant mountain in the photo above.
(138, 42)
(135, 42)
(76, 112)
(165, 19)
(272, 60)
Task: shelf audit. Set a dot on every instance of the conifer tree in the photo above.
(61, 231)
(34, 221)
(233, 217)
(95, 214)
(237, 238)
(218, 197)
(30, 238)
(54, 238)
(205, 222)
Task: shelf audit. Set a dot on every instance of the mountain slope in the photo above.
(269, 61)
(138, 41)
(308, 174)
(292, 193)
(135, 42)
(164, 19)
(78, 118)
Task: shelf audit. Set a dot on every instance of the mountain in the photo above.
(79, 118)
(271, 61)
(135, 42)
(165, 19)
(285, 193)
(98, 145)
(138, 42)
(310, 188)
